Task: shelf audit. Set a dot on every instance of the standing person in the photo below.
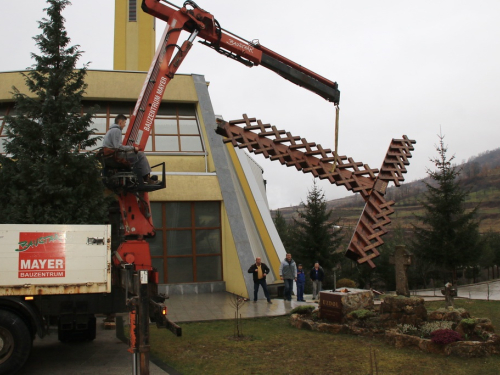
(301, 282)
(113, 140)
(259, 271)
(288, 273)
(316, 275)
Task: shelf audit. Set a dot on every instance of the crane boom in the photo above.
(201, 24)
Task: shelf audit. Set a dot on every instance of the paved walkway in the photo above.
(105, 355)
(485, 291)
(217, 306)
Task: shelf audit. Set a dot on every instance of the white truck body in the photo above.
(39, 259)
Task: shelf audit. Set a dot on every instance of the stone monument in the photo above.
(402, 260)
(335, 305)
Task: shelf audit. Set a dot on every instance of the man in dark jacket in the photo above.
(259, 271)
(316, 275)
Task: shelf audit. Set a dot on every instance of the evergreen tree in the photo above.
(283, 229)
(45, 177)
(448, 236)
(316, 238)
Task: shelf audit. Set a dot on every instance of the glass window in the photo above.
(178, 215)
(208, 268)
(207, 214)
(165, 126)
(149, 144)
(166, 143)
(167, 109)
(180, 270)
(157, 214)
(132, 10)
(99, 123)
(208, 241)
(186, 109)
(191, 144)
(192, 241)
(188, 127)
(179, 242)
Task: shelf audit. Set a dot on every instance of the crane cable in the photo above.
(335, 154)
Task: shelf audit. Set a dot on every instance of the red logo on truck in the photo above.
(42, 255)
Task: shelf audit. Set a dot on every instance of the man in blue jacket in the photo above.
(301, 282)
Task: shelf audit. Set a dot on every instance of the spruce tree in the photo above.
(283, 229)
(315, 237)
(46, 176)
(448, 235)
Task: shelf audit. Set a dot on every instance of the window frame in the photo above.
(193, 228)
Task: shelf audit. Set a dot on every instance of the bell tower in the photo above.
(134, 44)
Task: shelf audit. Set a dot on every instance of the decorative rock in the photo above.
(429, 347)
(485, 325)
(371, 327)
(451, 316)
(468, 349)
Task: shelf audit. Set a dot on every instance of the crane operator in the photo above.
(113, 140)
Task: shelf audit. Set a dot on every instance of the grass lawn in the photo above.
(272, 346)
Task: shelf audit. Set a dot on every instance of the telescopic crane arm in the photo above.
(202, 24)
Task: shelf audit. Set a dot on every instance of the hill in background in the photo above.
(480, 175)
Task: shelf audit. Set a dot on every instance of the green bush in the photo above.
(468, 322)
(346, 283)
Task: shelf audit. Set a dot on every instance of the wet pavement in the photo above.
(483, 291)
(105, 355)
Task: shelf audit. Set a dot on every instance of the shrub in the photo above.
(469, 323)
(445, 336)
(407, 329)
(427, 328)
(346, 283)
(362, 314)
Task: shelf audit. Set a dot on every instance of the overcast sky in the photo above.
(403, 67)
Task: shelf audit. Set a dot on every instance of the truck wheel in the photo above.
(15, 342)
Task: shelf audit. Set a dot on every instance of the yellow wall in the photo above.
(179, 163)
(110, 85)
(134, 45)
(235, 283)
(189, 188)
